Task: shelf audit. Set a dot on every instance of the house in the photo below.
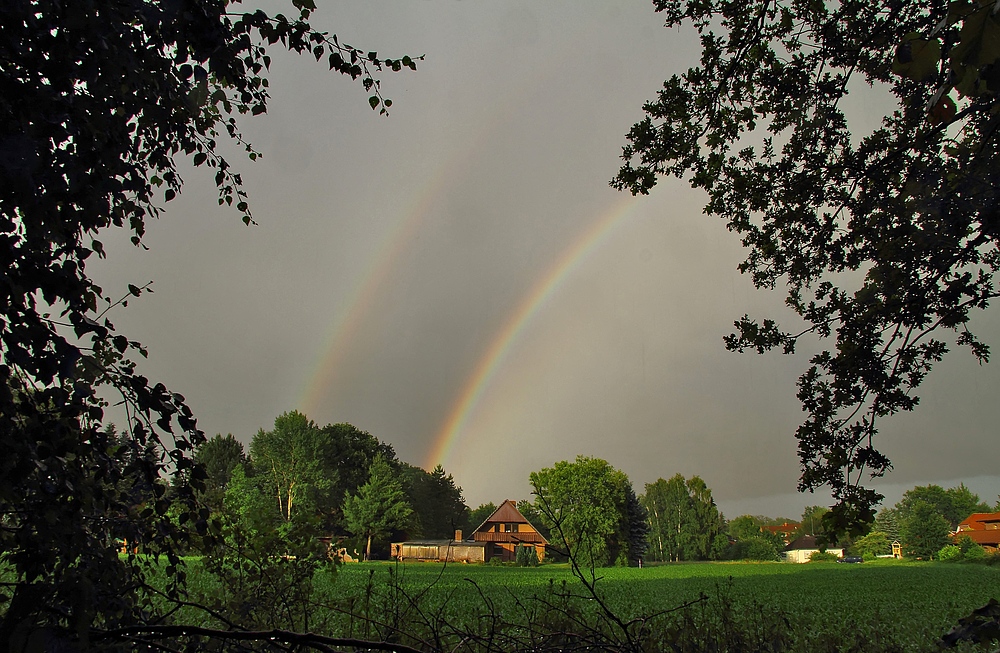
(784, 531)
(497, 537)
(800, 549)
(983, 528)
(505, 530)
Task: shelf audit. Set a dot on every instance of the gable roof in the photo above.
(981, 537)
(978, 521)
(507, 513)
(804, 543)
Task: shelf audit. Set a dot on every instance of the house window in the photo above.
(496, 528)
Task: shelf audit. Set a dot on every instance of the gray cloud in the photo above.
(496, 158)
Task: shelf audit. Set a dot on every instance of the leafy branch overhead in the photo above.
(99, 102)
(886, 241)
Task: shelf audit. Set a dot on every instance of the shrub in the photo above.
(874, 543)
(526, 557)
(950, 553)
(970, 550)
(759, 548)
(823, 556)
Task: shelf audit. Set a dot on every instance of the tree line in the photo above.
(337, 479)
(344, 484)
(591, 506)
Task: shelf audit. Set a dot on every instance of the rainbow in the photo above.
(366, 290)
(488, 365)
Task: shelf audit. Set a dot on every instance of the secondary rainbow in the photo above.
(491, 361)
(357, 308)
(447, 176)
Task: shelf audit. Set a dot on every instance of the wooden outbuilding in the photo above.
(456, 550)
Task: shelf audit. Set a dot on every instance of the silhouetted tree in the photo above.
(886, 240)
(101, 102)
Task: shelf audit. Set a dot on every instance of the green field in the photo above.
(887, 606)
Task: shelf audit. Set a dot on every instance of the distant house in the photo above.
(505, 530)
(497, 537)
(800, 549)
(784, 531)
(983, 528)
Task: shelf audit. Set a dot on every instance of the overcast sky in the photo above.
(459, 279)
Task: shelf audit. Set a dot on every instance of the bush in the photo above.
(970, 550)
(526, 556)
(874, 543)
(758, 548)
(950, 553)
(974, 552)
(869, 557)
(823, 556)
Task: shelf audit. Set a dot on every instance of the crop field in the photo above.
(889, 606)
(886, 605)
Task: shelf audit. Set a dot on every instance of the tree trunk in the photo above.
(368, 549)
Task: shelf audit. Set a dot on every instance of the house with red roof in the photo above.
(983, 528)
(785, 531)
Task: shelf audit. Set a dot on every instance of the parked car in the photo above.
(851, 559)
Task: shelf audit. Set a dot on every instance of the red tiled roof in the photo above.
(987, 538)
(978, 521)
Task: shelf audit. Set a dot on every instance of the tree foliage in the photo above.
(348, 454)
(684, 521)
(219, 456)
(886, 240)
(99, 103)
(438, 505)
(812, 520)
(590, 507)
(888, 521)
(875, 543)
(954, 504)
(379, 505)
(924, 530)
(480, 514)
(289, 458)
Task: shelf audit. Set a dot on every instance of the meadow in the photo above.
(880, 606)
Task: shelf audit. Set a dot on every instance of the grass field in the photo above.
(889, 605)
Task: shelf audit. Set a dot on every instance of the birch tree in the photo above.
(290, 456)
